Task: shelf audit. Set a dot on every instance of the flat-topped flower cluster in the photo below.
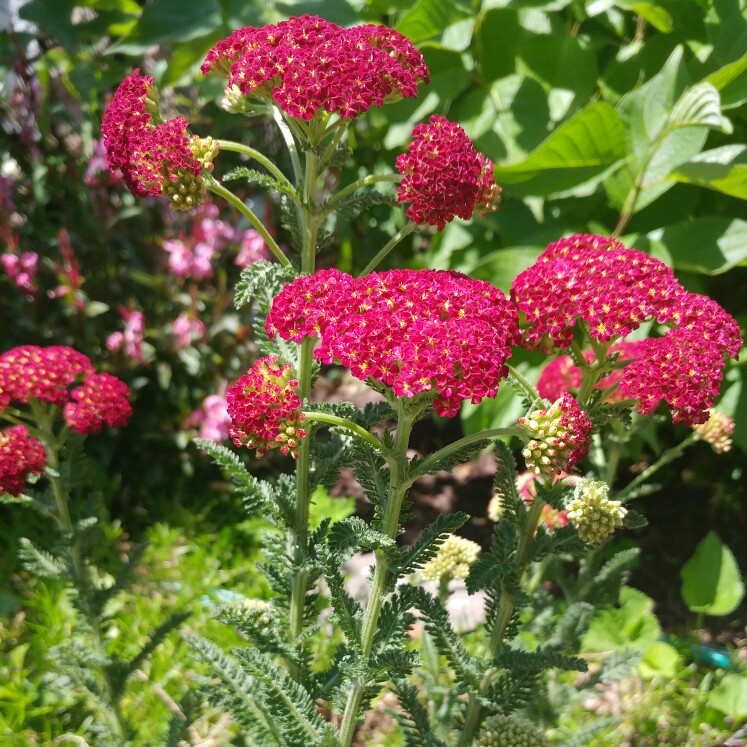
(614, 290)
(20, 456)
(414, 331)
(307, 64)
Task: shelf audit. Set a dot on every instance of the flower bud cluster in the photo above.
(614, 290)
(558, 438)
(717, 431)
(414, 331)
(509, 731)
(594, 515)
(265, 409)
(452, 561)
(154, 159)
(444, 176)
(307, 64)
(46, 374)
(20, 456)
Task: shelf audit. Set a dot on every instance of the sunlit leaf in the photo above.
(723, 169)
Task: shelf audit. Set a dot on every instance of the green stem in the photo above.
(290, 142)
(397, 491)
(339, 128)
(82, 580)
(668, 456)
(246, 150)
(362, 433)
(506, 607)
(360, 184)
(524, 383)
(401, 234)
(432, 461)
(216, 188)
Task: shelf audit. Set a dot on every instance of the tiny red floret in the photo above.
(20, 456)
(102, 399)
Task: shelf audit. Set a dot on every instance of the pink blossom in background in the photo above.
(187, 330)
(208, 228)
(213, 418)
(180, 257)
(253, 248)
(131, 339)
(68, 274)
(97, 169)
(21, 269)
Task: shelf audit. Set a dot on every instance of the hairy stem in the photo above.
(473, 715)
(397, 491)
(216, 188)
(366, 181)
(246, 150)
(362, 433)
(524, 383)
(401, 234)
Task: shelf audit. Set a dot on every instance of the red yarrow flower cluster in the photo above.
(307, 64)
(20, 456)
(444, 176)
(102, 399)
(414, 331)
(558, 438)
(614, 290)
(47, 374)
(265, 409)
(154, 159)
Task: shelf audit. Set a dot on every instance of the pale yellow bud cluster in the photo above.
(204, 149)
(716, 431)
(186, 193)
(233, 101)
(510, 731)
(594, 515)
(453, 560)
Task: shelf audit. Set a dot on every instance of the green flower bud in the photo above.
(453, 560)
(510, 731)
(594, 515)
(716, 431)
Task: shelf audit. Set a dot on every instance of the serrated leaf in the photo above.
(40, 562)
(711, 581)
(260, 179)
(353, 534)
(429, 542)
(260, 277)
(722, 169)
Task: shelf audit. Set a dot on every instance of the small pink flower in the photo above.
(20, 456)
(102, 399)
(187, 330)
(253, 248)
(132, 338)
(213, 418)
(21, 269)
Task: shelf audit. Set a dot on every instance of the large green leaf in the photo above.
(580, 149)
(656, 15)
(709, 244)
(731, 82)
(430, 18)
(723, 169)
(699, 105)
(171, 21)
(498, 28)
(632, 625)
(730, 696)
(711, 581)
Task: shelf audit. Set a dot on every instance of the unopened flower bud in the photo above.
(452, 560)
(510, 731)
(716, 431)
(204, 149)
(594, 515)
(559, 437)
(234, 101)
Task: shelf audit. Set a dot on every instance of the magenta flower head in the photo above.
(29, 371)
(265, 409)
(444, 176)
(20, 456)
(102, 399)
(154, 159)
(613, 290)
(307, 64)
(558, 438)
(415, 331)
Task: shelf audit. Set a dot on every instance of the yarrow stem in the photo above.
(216, 188)
(472, 718)
(82, 577)
(403, 233)
(246, 150)
(524, 383)
(398, 486)
(362, 433)
(360, 184)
